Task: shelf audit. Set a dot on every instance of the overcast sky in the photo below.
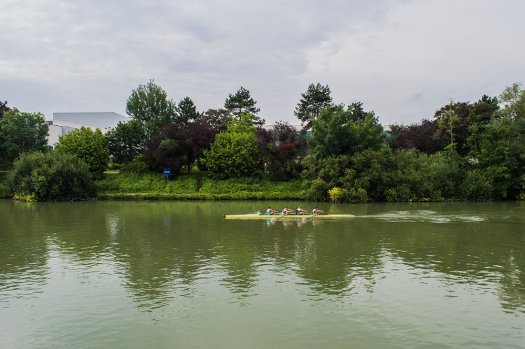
(404, 59)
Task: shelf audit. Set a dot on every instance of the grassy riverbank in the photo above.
(196, 186)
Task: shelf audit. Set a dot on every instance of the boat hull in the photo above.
(254, 216)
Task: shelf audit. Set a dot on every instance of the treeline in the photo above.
(467, 151)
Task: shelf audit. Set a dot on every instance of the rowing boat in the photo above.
(250, 216)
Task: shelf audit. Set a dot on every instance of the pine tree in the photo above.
(242, 103)
(312, 101)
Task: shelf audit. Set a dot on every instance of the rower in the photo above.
(286, 211)
(270, 211)
(316, 211)
(300, 211)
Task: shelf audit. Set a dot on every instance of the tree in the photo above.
(216, 119)
(89, 146)
(339, 130)
(178, 144)
(3, 108)
(501, 156)
(21, 132)
(419, 136)
(235, 152)
(149, 104)
(126, 141)
(241, 102)
(312, 101)
(282, 147)
(50, 176)
(186, 111)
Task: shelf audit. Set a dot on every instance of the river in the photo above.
(177, 275)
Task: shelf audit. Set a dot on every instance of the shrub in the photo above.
(477, 186)
(335, 194)
(316, 190)
(50, 176)
(137, 165)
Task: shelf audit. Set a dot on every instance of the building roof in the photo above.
(96, 119)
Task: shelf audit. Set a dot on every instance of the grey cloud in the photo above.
(379, 52)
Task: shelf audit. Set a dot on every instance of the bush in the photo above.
(137, 165)
(335, 194)
(357, 195)
(50, 176)
(477, 186)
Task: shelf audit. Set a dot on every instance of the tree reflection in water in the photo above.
(166, 250)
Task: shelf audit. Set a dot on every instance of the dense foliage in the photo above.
(178, 144)
(21, 132)
(187, 111)
(345, 130)
(89, 146)
(312, 101)
(282, 148)
(467, 151)
(241, 102)
(126, 141)
(235, 152)
(149, 104)
(50, 176)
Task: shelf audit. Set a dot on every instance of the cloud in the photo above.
(90, 54)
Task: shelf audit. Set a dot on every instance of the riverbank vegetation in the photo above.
(466, 151)
(195, 186)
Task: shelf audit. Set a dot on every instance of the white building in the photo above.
(66, 122)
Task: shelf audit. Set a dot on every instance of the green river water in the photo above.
(177, 275)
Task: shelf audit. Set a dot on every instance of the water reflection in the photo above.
(165, 251)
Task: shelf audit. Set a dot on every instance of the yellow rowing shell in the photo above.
(287, 217)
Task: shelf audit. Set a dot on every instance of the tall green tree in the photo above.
(501, 157)
(21, 132)
(126, 141)
(312, 101)
(235, 152)
(241, 102)
(345, 130)
(186, 111)
(89, 146)
(149, 104)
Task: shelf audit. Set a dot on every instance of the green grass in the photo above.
(197, 186)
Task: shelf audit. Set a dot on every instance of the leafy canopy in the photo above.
(241, 102)
(235, 152)
(178, 144)
(186, 111)
(312, 101)
(50, 176)
(21, 132)
(149, 104)
(88, 146)
(339, 130)
(126, 141)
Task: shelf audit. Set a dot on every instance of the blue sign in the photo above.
(167, 172)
